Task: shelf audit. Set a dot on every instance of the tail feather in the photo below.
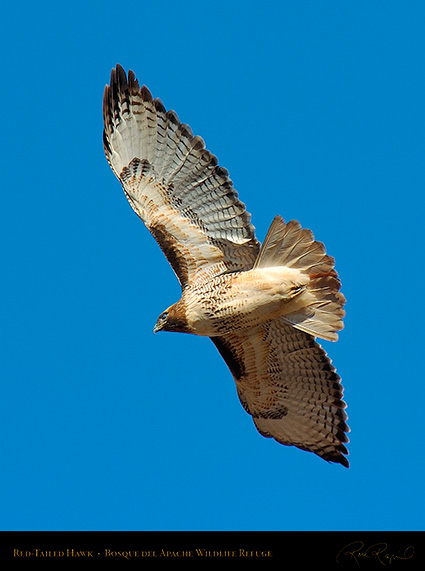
(318, 310)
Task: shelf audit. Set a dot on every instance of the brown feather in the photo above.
(258, 306)
(287, 383)
(174, 184)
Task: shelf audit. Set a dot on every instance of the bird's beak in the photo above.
(156, 328)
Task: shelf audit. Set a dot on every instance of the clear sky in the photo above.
(317, 111)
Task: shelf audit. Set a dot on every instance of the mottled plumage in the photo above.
(262, 308)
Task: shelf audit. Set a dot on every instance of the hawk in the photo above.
(261, 305)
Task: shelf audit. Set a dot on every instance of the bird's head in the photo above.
(173, 319)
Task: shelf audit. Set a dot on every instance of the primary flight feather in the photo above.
(261, 306)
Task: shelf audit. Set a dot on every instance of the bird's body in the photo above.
(261, 306)
(240, 300)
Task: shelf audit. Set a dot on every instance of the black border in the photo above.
(285, 550)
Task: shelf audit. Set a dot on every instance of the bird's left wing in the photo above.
(287, 383)
(174, 184)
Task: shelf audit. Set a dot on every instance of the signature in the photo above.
(358, 552)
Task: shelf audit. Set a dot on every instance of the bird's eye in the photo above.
(164, 316)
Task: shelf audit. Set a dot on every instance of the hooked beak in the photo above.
(156, 328)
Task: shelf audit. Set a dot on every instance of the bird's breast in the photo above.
(241, 300)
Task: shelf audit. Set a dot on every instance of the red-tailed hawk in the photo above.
(261, 306)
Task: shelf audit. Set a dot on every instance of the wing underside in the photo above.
(284, 378)
(174, 184)
(287, 383)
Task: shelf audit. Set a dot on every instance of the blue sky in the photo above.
(317, 111)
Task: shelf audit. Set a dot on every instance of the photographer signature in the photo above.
(358, 552)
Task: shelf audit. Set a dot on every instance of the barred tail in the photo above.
(318, 310)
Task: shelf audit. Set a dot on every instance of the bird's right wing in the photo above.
(286, 382)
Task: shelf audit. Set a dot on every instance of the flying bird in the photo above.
(261, 305)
